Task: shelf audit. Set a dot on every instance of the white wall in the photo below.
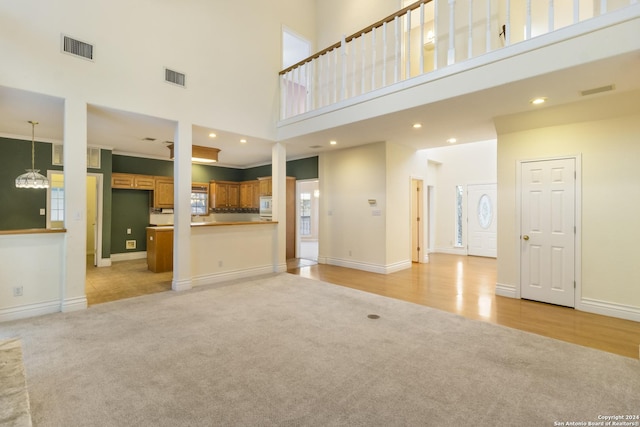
(229, 51)
(35, 263)
(336, 18)
(607, 139)
(353, 232)
(464, 164)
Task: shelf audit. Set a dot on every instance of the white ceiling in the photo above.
(468, 118)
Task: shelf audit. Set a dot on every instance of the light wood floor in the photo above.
(465, 285)
(457, 284)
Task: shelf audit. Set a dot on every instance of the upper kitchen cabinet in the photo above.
(224, 194)
(163, 194)
(130, 181)
(265, 186)
(249, 194)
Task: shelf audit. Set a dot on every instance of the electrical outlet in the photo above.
(17, 291)
(349, 253)
(131, 244)
(220, 263)
(128, 231)
(42, 211)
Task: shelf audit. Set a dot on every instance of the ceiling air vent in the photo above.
(77, 48)
(174, 77)
(595, 90)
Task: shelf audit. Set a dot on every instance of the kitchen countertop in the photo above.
(215, 224)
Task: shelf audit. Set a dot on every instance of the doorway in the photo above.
(307, 213)
(417, 221)
(482, 220)
(94, 219)
(549, 192)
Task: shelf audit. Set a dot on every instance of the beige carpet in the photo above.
(285, 350)
(14, 398)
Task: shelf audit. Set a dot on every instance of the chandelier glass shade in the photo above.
(32, 178)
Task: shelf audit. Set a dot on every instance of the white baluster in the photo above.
(396, 56)
(488, 27)
(353, 67)
(296, 90)
(308, 67)
(451, 53)
(603, 7)
(363, 64)
(528, 29)
(421, 38)
(335, 54)
(407, 71)
(374, 48)
(551, 16)
(435, 34)
(384, 54)
(283, 97)
(576, 11)
(470, 41)
(319, 87)
(343, 89)
(507, 25)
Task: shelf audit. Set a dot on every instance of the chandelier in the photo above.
(32, 178)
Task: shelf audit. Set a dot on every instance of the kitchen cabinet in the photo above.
(265, 186)
(131, 181)
(224, 194)
(163, 194)
(160, 249)
(249, 194)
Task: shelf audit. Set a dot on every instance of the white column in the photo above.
(75, 205)
(279, 206)
(182, 207)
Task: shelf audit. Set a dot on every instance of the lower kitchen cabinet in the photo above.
(160, 249)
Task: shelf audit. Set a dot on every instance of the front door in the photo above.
(482, 220)
(548, 218)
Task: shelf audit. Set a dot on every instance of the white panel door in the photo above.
(482, 220)
(548, 231)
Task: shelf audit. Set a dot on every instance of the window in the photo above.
(55, 199)
(459, 194)
(305, 214)
(198, 203)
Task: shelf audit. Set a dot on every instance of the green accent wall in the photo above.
(130, 210)
(21, 206)
(306, 168)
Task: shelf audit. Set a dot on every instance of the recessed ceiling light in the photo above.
(417, 125)
(333, 142)
(212, 135)
(243, 141)
(452, 140)
(539, 100)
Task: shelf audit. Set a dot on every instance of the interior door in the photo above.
(548, 231)
(482, 220)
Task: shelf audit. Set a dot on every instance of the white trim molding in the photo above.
(181, 285)
(74, 304)
(611, 309)
(128, 256)
(209, 279)
(451, 251)
(29, 310)
(373, 268)
(506, 290)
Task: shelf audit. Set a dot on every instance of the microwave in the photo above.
(266, 206)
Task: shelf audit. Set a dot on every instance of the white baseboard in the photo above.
(209, 279)
(373, 268)
(29, 310)
(128, 256)
(74, 304)
(451, 251)
(104, 262)
(610, 309)
(181, 285)
(281, 268)
(505, 291)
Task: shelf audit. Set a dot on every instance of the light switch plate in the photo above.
(42, 211)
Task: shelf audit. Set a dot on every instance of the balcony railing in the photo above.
(424, 36)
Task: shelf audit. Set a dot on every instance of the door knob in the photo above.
(525, 237)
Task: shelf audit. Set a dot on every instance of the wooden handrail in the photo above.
(366, 30)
